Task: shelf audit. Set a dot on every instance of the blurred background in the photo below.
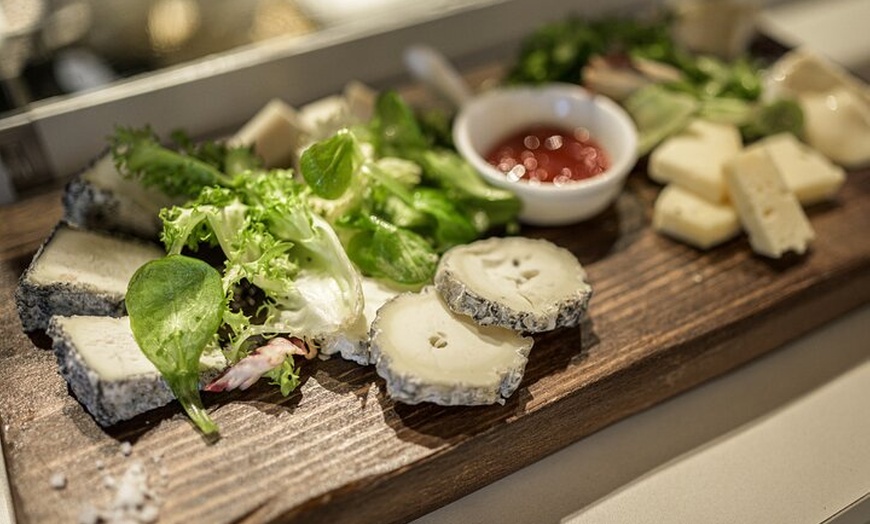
(70, 70)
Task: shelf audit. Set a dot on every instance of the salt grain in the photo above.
(133, 503)
(58, 480)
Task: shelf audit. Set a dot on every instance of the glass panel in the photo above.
(57, 47)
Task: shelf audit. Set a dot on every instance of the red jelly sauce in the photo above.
(549, 154)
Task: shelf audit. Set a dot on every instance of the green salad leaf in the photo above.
(397, 200)
(271, 238)
(707, 87)
(557, 51)
(139, 154)
(176, 306)
(376, 198)
(328, 166)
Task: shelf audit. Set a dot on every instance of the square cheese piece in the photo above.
(687, 217)
(694, 158)
(807, 173)
(77, 272)
(770, 213)
(275, 133)
(107, 371)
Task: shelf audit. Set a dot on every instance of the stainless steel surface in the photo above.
(217, 93)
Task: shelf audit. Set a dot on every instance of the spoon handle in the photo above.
(434, 70)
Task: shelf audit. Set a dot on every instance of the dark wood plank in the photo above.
(663, 319)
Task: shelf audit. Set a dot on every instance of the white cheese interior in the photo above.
(837, 123)
(810, 175)
(692, 219)
(376, 293)
(91, 260)
(769, 212)
(352, 342)
(274, 132)
(522, 274)
(694, 158)
(108, 348)
(423, 338)
(835, 103)
(139, 205)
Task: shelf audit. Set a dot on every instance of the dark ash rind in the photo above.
(567, 312)
(88, 206)
(411, 389)
(346, 347)
(37, 302)
(99, 197)
(109, 402)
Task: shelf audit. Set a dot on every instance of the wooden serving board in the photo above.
(664, 317)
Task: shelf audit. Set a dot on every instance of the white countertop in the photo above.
(783, 439)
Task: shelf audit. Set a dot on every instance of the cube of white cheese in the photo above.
(78, 272)
(361, 100)
(275, 133)
(106, 370)
(837, 123)
(697, 221)
(770, 213)
(694, 158)
(809, 174)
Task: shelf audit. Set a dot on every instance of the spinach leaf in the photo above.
(451, 227)
(380, 249)
(446, 169)
(176, 305)
(395, 127)
(328, 166)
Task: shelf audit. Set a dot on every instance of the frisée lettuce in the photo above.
(397, 200)
(377, 199)
(271, 239)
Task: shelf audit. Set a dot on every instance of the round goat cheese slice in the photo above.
(426, 353)
(524, 284)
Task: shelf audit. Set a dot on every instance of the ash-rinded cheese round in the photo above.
(524, 284)
(426, 353)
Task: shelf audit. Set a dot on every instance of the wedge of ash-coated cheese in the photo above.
(809, 174)
(275, 133)
(694, 158)
(79, 272)
(101, 198)
(106, 370)
(687, 217)
(353, 343)
(769, 212)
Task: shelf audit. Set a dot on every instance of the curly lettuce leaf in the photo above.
(272, 239)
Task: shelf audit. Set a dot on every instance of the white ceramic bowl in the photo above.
(489, 118)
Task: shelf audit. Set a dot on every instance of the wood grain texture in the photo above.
(663, 318)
